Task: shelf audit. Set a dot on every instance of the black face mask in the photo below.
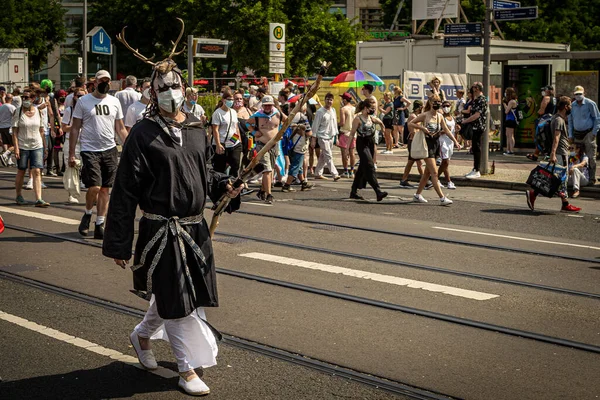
(436, 106)
(371, 111)
(103, 87)
(568, 111)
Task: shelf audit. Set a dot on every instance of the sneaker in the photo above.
(428, 186)
(570, 208)
(260, 195)
(307, 186)
(11, 163)
(336, 178)
(287, 189)
(321, 177)
(4, 159)
(81, 185)
(356, 196)
(419, 198)
(44, 186)
(508, 153)
(28, 185)
(42, 203)
(451, 185)
(246, 192)
(576, 194)
(530, 198)
(278, 184)
(99, 231)
(194, 387)
(473, 175)
(381, 195)
(253, 181)
(444, 201)
(51, 173)
(375, 167)
(406, 185)
(20, 200)
(438, 161)
(351, 175)
(72, 200)
(346, 174)
(269, 199)
(84, 226)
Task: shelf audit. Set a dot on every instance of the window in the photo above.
(371, 18)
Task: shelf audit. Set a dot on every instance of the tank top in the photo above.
(366, 129)
(551, 106)
(433, 126)
(451, 124)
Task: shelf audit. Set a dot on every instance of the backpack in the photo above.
(287, 142)
(543, 135)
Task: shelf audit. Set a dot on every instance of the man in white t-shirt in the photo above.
(129, 95)
(7, 110)
(135, 112)
(226, 137)
(79, 83)
(98, 116)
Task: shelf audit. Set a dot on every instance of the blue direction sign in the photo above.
(100, 41)
(462, 41)
(472, 28)
(514, 14)
(505, 4)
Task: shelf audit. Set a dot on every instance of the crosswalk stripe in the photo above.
(31, 214)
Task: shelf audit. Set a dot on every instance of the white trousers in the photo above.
(326, 158)
(192, 342)
(577, 179)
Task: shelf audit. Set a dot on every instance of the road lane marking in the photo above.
(84, 344)
(258, 204)
(31, 214)
(394, 280)
(43, 177)
(518, 238)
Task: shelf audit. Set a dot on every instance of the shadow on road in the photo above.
(518, 211)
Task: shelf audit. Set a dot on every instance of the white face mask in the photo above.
(543, 93)
(146, 93)
(579, 97)
(446, 110)
(170, 100)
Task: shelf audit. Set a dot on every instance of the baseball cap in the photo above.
(417, 104)
(578, 90)
(102, 74)
(346, 96)
(548, 87)
(267, 100)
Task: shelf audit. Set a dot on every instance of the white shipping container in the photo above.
(14, 68)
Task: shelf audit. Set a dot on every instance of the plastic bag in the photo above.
(71, 179)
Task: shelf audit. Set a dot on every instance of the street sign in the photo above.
(473, 28)
(462, 41)
(100, 41)
(276, 46)
(210, 48)
(515, 14)
(277, 32)
(276, 54)
(80, 65)
(280, 60)
(499, 4)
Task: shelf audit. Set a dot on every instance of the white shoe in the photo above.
(194, 387)
(419, 198)
(10, 162)
(451, 185)
(44, 186)
(145, 357)
(73, 200)
(444, 201)
(4, 159)
(473, 175)
(81, 185)
(375, 167)
(28, 185)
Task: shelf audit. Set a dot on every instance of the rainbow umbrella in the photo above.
(356, 78)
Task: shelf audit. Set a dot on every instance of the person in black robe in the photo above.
(163, 170)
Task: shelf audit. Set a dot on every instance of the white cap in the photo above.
(266, 100)
(102, 74)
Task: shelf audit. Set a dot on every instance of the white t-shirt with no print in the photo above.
(227, 121)
(134, 114)
(29, 130)
(98, 118)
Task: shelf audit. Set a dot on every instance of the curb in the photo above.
(587, 192)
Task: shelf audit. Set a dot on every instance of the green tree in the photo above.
(33, 24)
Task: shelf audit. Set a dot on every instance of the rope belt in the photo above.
(175, 225)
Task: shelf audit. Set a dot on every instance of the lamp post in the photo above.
(85, 49)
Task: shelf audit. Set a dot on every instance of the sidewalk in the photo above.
(511, 172)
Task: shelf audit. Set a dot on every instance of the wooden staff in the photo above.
(223, 202)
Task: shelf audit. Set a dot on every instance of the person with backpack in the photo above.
(512, 120)
(29, 139)
(295, 146)
(543, 142)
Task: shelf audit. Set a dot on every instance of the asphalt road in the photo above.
(425, 258)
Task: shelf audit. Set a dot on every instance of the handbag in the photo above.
(544, 180)
(466, 131)
(418, 146)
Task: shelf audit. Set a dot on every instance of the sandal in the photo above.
(532, 157)
(575, 194)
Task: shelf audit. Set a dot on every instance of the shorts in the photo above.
(99, 167)
(269, 159)
(6, 137)
(343, 141)
(31, 159)
(296, 163)
(388, 123)
(446, 150)
(433, 146)
(510, 123)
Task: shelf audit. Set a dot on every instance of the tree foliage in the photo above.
(312, 32)
(33, 24)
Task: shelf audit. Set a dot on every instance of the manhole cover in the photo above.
(330, 227)
(18, 268)
(230, 240)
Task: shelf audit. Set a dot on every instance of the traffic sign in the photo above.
(515, 14)
(80, 65)
(277, 32)
(462, 41)
(473, 28)
(499, 4)
(101, 43)
(280, 60)
(276, 46)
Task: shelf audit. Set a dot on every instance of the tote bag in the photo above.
(418, 146)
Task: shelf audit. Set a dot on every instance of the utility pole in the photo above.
(487, 37)
(85, 39)
(190, 60)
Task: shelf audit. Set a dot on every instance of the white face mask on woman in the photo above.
(446, 110)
